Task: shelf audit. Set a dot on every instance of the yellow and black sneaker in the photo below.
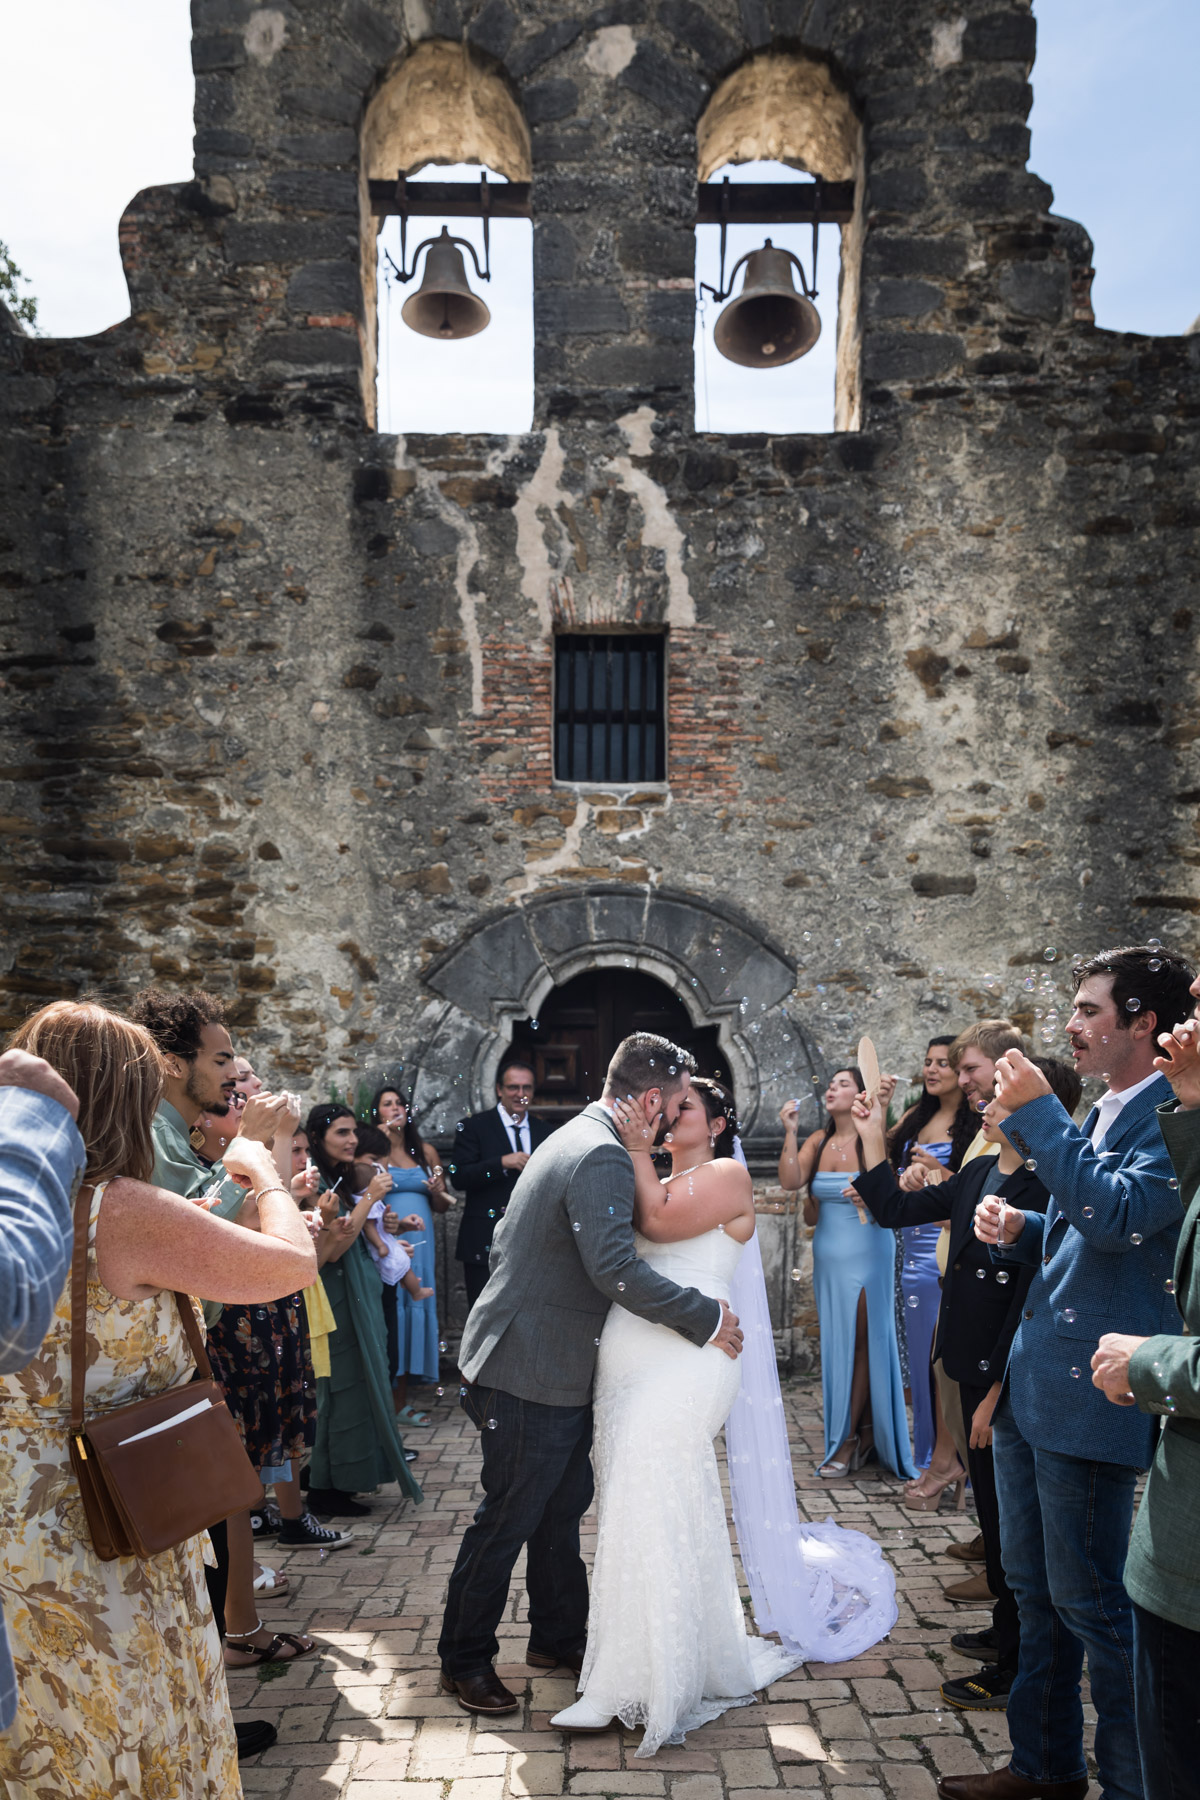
(985, 1691)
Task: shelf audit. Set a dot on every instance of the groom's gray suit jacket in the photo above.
(562, 1254)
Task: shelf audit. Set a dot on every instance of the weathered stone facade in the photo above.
(278, 688)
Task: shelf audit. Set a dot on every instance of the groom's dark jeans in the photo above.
(537, 1485)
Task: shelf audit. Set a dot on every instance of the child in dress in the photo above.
(391, 1256)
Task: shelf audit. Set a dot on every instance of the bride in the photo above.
(667, 1643)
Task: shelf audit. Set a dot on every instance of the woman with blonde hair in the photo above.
(119, 1671)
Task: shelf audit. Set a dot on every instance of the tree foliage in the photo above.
(23, 306)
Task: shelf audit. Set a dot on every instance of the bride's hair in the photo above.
(717, 1102)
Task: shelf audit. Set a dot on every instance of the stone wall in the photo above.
(278, 687)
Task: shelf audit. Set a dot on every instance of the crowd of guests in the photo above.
(1048, 1290)
(1038, 1273)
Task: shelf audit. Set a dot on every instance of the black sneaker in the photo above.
(334, 1504)
(253, 1736)
(985, 1691)
(266, 1521)
(304, 1533)
(411, 1455)
(975, 1644)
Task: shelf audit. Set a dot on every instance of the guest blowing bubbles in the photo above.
(145, 1706)
(357, 1444)
(417, 1184)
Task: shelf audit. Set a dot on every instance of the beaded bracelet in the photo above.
(272, 1190)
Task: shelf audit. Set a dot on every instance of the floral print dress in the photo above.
(121, 1685)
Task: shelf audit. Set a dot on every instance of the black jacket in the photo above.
(474, 1167)
(981, 1298)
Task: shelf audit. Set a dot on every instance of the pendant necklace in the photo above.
(681, 1172)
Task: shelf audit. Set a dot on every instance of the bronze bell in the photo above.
(444, 306)
(769, 323)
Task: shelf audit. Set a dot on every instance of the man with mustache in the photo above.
(1067, 1461)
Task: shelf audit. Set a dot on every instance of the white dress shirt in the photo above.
(520, 1126)
(1110, 1105)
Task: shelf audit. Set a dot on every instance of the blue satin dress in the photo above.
(921, 1291)
(850, 1258)
(418, 1318)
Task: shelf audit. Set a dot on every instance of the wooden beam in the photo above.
(750, 202)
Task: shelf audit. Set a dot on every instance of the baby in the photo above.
(391, 1255)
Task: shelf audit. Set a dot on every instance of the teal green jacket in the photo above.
(1162, 1573)
(178, 1169)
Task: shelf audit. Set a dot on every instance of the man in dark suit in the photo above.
(490, 1150)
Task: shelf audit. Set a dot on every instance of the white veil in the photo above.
(826, 1591)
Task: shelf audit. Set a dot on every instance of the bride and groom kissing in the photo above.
(579, 1299)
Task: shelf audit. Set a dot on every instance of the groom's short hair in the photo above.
(646, 1060)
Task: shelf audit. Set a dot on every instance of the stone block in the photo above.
(544, 44)
(841, 1722)
(546, 101)
(579, 312)
(795, 1743)
(748, 1769)
(339, 105)
(1000, 37)
(666, 82)
(376, 35)
(326, 147)
(1036, 290)
(492, 28)
(898, 299)
(316, 190)
(942, 257)
(225, 51)
(906, 1783)
(299, 241)
(539, 1773)
(897, 190)
(315, 351)
(326, 287)
(694, 30)
(554, 252)
(616, 1781)
(672, 316)
(910, 355)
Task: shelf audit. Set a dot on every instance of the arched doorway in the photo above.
(580, 1024)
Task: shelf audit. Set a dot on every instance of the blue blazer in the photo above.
(1091, 1275)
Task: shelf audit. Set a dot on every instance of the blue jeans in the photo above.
(1166, 1675)
(1064, 1527)
(537, 1485)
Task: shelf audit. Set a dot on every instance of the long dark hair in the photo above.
(910, 1124)
(319, 1120)
(717, 1102)
(830, 1127)
(412, 1137)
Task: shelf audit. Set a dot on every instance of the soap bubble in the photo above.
(575, 1226)
(620, 1287)
(795, 1275)
(1154, 965)
(1169, 1285)
(1135, 1237)
(1169, 1402)
(1002, 1277)
(441, 1344)
(1075, 1374)
(1132, 1005)
(611, 1211)
(1069, 1314)
(491, 1424)
(981, 1274)
(913, 1301)
(985, 1365)
(1089, 1212)
(1030, 1164)
(440, 1391)
(1050, 953)
(1171, 1182)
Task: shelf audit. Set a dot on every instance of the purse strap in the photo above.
(187, 1314)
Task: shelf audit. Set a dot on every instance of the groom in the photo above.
(562, 1254)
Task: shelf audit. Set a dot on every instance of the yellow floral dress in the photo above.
(119, 1672)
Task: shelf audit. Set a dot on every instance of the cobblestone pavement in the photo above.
(363, 1719)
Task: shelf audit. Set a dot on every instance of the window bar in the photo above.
(607, 739)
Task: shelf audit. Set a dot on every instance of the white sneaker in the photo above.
(583, 1716)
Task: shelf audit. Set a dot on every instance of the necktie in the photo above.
(516, 1137)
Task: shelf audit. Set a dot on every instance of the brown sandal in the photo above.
(269, 1653)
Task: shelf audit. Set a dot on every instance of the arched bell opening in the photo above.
(579, 1024)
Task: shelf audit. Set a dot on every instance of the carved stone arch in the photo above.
(724, 967)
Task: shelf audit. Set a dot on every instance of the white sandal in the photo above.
(269, 1582)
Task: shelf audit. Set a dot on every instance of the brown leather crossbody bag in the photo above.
(163, 1469)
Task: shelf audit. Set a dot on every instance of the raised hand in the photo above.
(1018, 1081)
(992, 1218)
(1180, 1062)
(634, 1128)
(247, 1161)
(914, 1178)
(263, 1118)
(789, 1115)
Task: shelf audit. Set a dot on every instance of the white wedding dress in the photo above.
(667, 1645)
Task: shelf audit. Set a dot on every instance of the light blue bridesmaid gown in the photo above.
(850, 1258)
(418, 1318)
(922, 1295)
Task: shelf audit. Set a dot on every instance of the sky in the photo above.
(96, 102)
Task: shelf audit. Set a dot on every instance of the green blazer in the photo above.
(1163, 1570)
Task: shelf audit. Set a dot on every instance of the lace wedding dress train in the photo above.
(667, 1644)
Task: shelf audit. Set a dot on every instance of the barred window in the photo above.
(608, 708)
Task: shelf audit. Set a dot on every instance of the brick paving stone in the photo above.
(364, 1719)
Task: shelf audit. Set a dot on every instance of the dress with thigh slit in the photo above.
(850, 1258)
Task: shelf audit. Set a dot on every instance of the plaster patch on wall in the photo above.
(947, 45)
(466, 557)
(660, 530)
(611, 50)
(538, 576)
(264, 34)
(559, 861)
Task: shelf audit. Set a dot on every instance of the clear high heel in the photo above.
(929, 1501)
(837, 1471)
